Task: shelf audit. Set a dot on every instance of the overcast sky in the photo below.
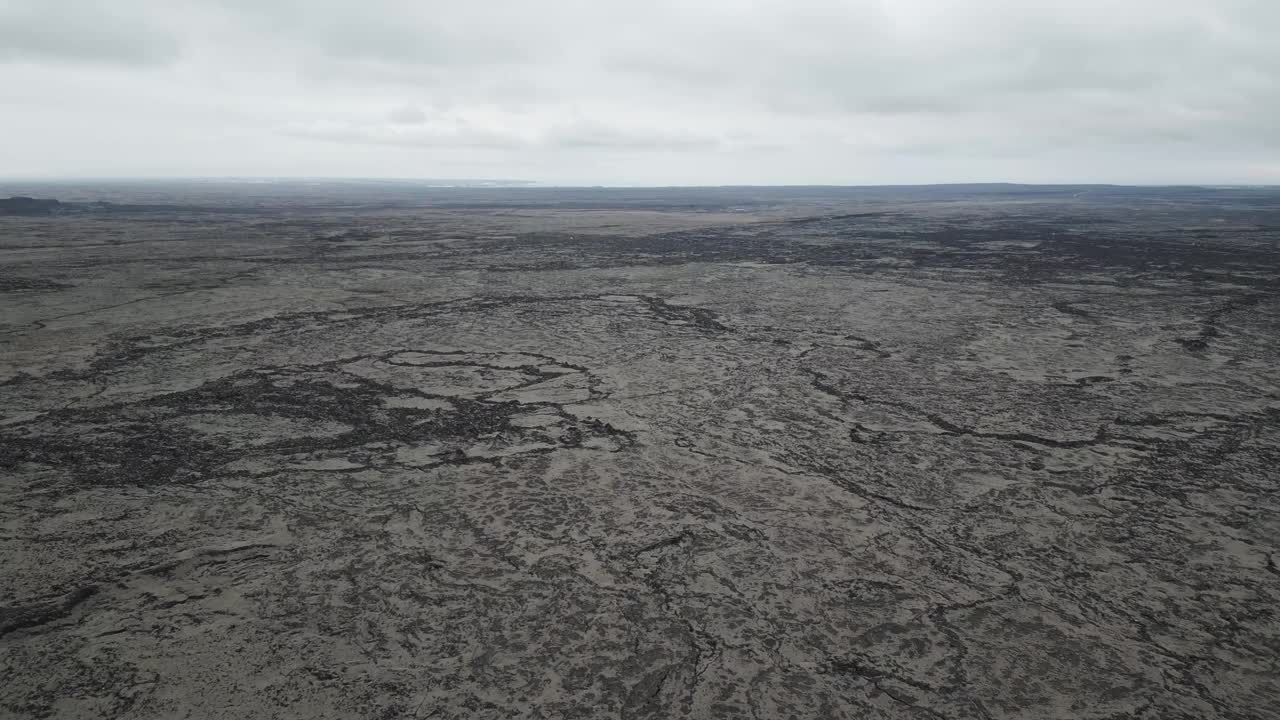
(645, 91)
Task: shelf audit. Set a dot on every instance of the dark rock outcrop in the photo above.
(19, 205)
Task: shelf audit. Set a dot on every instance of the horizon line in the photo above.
(480, 183)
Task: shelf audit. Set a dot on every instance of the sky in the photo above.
(652, 92)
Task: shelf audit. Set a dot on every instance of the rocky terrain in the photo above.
(333, 451)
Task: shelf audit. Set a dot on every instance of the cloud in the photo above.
(598, 135)
(82, 32)
(714, 91)
(410, 127)
(407, 135)
(407, 115)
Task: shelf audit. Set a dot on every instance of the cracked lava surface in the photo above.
(796, 453)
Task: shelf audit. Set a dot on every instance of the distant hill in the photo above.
(20, 205)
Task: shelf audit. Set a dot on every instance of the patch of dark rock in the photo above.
(13, 283)
(21, 205)
(21, 617)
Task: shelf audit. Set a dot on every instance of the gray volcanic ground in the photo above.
(389, 451)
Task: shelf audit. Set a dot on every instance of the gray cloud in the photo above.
(409, 126)
(407, 115)
(717, 91)
(82, 32)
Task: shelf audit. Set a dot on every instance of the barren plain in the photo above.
(390, 451)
